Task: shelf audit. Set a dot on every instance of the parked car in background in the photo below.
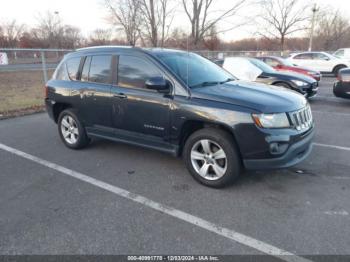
(252, 69)
(320, 61)
(343, 53)
(342, 87)
(179, 103)
(281, 64)
(3, 59)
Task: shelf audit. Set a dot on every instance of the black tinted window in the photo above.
(303, 56)
(86, 69)
(100, 69)
(73, 67)
(319, 56)
(133, 71)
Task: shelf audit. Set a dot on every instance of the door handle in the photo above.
(120, 95)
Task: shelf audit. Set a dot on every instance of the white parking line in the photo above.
(194, 220)
(332, 146)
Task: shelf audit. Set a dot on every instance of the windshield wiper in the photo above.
(211, 83)
(206, 83)
(227, 80)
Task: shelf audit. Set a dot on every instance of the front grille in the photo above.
(301, 119)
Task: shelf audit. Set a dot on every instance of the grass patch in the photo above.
(21, 90)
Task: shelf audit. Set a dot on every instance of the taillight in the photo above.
(46, 91)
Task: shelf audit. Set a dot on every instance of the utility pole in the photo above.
(314, 10)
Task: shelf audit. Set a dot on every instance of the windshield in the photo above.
(262, 66)
(286, 62)
(194, 69)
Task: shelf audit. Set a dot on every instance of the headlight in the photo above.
(299, 83)
(271, 120)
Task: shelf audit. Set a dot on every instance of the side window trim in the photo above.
(80, 68)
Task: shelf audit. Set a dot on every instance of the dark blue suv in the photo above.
(180, 103)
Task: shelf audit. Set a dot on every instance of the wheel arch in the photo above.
(282, 82)
(191, 126)
(58, 108)
(338, 66)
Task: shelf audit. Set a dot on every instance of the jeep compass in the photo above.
(179, 103)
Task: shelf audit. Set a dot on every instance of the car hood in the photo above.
(291, 76)
(256, 96)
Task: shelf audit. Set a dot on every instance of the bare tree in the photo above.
(50, 29)
(100, 37)
(203, 17)
(71, 37)
(332, 30)
(282, 18)
(158, 17)
(12, 32)
(51, 32)
(126, 14)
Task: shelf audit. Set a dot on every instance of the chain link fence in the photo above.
(23, 73)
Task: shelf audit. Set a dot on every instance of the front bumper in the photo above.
(296, 153)
(311, 91)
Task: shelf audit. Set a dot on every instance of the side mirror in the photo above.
(157, 83)
(327, 59)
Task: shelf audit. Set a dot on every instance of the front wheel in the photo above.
(212, 158)
(71, 130)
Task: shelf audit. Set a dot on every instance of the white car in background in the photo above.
(319, 61)
(343, 53)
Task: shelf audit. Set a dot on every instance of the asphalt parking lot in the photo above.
(59, 201)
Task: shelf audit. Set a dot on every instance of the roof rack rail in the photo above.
(104, 46)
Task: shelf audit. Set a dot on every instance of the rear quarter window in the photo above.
(61, 72)
(73, 68)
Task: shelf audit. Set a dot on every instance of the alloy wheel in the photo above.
(208, 159)
(69, 128)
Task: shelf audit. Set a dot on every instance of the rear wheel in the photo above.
(212, 158)
(71, 130)
(337, 69)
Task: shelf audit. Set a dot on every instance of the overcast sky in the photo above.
(90, 14)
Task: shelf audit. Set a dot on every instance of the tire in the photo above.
(206, 169)
(71, 131)
(337, 69)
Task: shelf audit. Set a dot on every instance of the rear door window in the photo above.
(100, 69)
(304, 56)
(73, 68)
